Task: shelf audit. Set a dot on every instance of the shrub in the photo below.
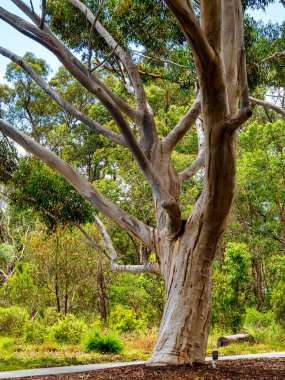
(49, 316)
(231, 288)
(124, 320)
(263, 327)
(256, 319)
(12, 321)
(278, 301)
(6, 344)
(105, 344)
(34, 332)
(68, 330)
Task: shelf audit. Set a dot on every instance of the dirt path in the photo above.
(261, 369)
(265, 368)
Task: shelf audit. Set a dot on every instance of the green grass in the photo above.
(18, 355)
(25, 356)
(243, 348)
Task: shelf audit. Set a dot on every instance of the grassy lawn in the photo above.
(14, 354)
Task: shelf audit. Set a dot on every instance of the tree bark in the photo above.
(183, 333)
(186, 262)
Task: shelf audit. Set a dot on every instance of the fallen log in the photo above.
(228, 339)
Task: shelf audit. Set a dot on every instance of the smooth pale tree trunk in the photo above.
(184, 328)
(186, 262)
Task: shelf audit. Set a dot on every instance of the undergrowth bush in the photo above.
(124, 320)
(35, 332)
(6, 344)
(263, 326)
(105, 344)
(49, 316)
(12, 321)
(68, 330)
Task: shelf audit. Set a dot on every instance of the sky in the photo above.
(19, 44)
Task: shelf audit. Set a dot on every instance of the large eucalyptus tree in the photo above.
(184, 249)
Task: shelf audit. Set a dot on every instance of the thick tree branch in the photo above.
(46, 38)
(90, 193)
(183, 126)
(44, 11)
(149, 267)
(61, 101)
(268, 105)
(237, 120)
(211, 20)
(146, 125)
(124, 56)
(201, 49)
(242, 71)
(233, 52)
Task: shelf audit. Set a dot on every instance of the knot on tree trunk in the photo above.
(173, 211)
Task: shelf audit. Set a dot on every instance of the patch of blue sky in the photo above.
(274, 13)
(19, 44)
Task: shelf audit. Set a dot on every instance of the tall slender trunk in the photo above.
(58, 308)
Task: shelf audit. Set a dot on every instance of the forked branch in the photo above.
(202, 51)
(46, 38)
(118, 50)
(79, 71)
(145, 123)
(268, 105)
(61, 101)
(180, 130)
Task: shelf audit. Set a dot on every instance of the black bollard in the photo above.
(215, 357)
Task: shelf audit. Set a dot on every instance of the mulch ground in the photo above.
(261, 369)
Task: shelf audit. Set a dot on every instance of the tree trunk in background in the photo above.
(102, 293)
(257, 283)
